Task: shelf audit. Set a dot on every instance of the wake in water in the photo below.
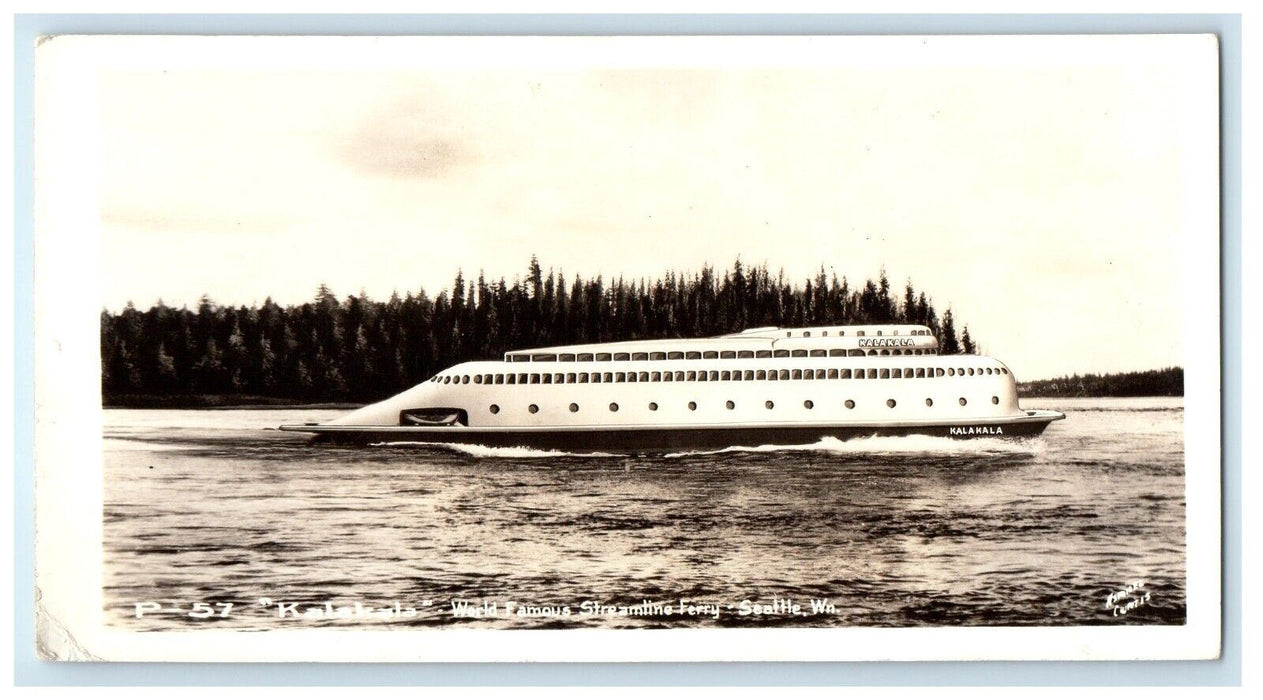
(492, 452)
(904, 444)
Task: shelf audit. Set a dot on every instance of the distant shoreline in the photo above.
(218, 402)
(1168, 381)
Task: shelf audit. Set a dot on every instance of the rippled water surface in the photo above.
(216, 508)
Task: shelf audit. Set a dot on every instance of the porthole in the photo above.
(692, 405)
(533, 408)
(808, 404)
(464, 379)
(929, 402)
(890, 403)
(850, 403)
(951, 372)
(447, 380)
(963, 401)
(653, 405)
(477, 379)
(730, 405)
(493, 408)
(768, 405)
(971, 371)
(574, 408)
(995, 400)
(613, 407)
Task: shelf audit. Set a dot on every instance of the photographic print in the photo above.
(627, 348)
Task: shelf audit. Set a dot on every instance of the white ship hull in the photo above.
(555, 400)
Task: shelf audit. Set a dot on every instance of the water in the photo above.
(214, 507)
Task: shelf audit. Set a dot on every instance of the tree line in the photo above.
(358, 349)
(1155, 382)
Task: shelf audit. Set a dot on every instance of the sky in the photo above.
(1044, 203)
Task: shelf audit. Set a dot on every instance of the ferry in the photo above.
(762, 386)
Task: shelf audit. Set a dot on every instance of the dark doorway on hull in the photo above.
(431, 417)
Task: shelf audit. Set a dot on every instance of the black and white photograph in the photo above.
(627, 348)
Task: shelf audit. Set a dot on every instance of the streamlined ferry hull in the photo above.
(654, 439)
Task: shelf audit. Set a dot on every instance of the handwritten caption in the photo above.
(486, 609)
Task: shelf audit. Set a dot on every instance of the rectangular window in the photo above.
(907, 373)
(656, 377)
(833, 374)
(745, 354)
(725, 376)
(693, 355)
(638, 356)
(511, 379)
(548, 378)
(749, 375)
(920, 373)
(796, 374)
(584, 357)
(583, 377)
(621, 357)
(559, 378)
(566, 357)
(609, 377)
(728, 355)
(859, 333)
(784, 374)
(799, 353)
(631, 377)
(544, 358)
(844, 374)
(819, 353)
(570, 377)
(667, 377)
(896, 373)
(602, 357)
(885, 374)
(854, 353)
(675, 356)
(710, 355)
(596, 377)
(701, 376)
(692, 376)
(771, 375)
(679, 376)
(763, 353)
(657, 356)
(644, 376)
(780, 353)
(820, 374)
(714, 375)
(872, 374)
(534, 379)
(620, 377)
(499, 379)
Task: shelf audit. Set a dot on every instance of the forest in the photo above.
(356, 349)
(1155, 382)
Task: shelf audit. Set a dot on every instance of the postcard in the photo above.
(627, 348)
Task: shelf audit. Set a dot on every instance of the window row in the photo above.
(708, 355)
(732, 405)
(859, 334)
(748, 375)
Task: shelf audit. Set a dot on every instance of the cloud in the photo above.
(407, 140)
